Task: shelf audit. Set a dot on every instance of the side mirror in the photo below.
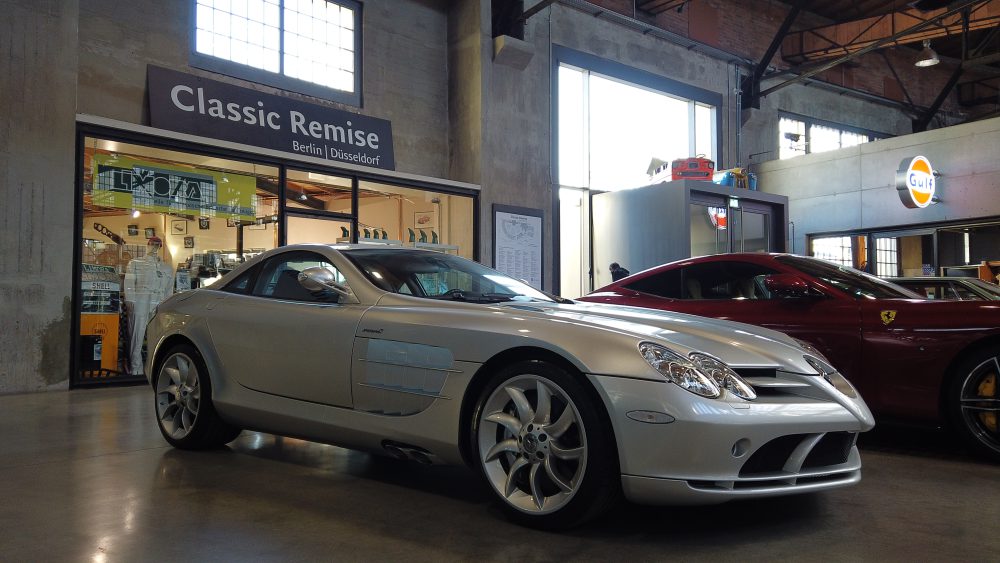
(786, 285)
(321, 279)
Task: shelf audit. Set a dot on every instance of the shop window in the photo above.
(886, 258)
(395, 215)
(318, 192)
(157, 222)
(308, 46)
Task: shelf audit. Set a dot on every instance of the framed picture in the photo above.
(133, 230)
(203, 223)
(230, 222)
(150, 232)
(188, 242)
(179, 227)
(425, 219)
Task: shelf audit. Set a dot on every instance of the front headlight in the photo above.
(830, 374)
(723, 375)
(699, 373)
(679, 370)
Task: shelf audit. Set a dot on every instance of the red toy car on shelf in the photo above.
(911, 358)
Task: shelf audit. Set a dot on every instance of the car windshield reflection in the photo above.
(433, 275)
(853, 282)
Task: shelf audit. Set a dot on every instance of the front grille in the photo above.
(833, 449)
(771, 456)
(756, 372)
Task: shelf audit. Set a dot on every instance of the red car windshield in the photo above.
(853, 282)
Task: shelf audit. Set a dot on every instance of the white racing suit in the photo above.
(148, 280)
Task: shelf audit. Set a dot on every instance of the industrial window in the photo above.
(798, 136)
(834, 249)
(611, 131)
(886, 258)
(308, 46)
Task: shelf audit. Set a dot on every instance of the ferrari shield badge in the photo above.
(888, 317)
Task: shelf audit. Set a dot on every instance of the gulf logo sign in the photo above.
(915, 182)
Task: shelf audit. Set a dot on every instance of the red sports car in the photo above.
(911, 358)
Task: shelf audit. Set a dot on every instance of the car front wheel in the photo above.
(544, 448)
(184, 409)
(974, 403)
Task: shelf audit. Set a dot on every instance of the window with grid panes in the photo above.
(308, 46)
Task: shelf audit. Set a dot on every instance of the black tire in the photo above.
(183, 402)
(972, 403)
(539, 452)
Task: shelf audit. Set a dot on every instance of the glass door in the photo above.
(710, 232)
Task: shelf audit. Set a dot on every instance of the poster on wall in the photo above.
(128, 183)
(517, 243)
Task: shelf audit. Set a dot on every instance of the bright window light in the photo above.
(316, 43)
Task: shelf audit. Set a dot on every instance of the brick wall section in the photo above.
(746, 28)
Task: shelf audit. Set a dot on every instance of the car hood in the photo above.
(737, 344)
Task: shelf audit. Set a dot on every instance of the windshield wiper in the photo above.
(471, 297)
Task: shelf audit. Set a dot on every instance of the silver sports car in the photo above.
(560, 406)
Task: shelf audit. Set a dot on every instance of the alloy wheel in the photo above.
(532, 444)
(980, 402)
(178, 395)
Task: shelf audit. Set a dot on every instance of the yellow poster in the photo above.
(127, 183)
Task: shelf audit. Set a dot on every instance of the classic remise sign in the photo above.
(915, 182)
(208, 108)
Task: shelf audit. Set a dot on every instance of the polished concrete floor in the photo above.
(85, 476)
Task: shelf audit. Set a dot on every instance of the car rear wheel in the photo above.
(184, 409)
(544, 448)
(974, 403)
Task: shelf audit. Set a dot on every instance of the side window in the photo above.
(665, 284)
(725, 280)
(242, 283)
(279, 278)
(963, 293)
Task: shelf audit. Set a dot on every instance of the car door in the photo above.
(281, 339)
(734, 290)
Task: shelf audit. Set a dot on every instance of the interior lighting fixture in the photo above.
(135, 213)
(927, 56)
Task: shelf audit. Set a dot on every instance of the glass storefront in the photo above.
(942, 250)
(157, 221)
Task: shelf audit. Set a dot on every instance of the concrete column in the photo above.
(38, 66)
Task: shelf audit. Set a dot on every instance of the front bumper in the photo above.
(716, 450)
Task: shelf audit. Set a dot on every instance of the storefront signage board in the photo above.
(128, 183)
(208, 108)
(915, 182)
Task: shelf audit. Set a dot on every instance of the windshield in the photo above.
(990, 288)
(435, 275)
(853, 282)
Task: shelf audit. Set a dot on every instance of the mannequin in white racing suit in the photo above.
(148, 281)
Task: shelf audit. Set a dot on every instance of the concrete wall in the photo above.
(409, 88)
(37, 160)
(853, 188)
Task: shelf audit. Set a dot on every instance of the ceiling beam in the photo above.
(751, 84)
(815, 69)
(823, 43)
(922, 123)
(979, 92)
